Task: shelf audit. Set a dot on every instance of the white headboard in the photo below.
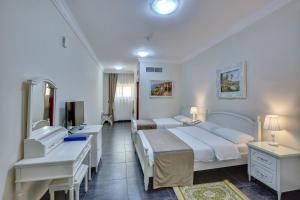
(238, 122)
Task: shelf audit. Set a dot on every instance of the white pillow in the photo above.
(234, 136)
(209, 126)
(183, 118)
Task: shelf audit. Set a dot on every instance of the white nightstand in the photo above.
(277, 167)
(191, 123)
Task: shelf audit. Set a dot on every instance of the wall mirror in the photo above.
(41, 105)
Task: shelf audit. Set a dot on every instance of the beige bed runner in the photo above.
(145, 124)
(173, 159)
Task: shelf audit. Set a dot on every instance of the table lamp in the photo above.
(272, 125)
(194, 112)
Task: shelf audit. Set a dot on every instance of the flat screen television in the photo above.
(74, 113)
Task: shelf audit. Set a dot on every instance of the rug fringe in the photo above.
(236, 190)
(178, 193)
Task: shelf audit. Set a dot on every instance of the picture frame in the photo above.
(232, 82)
(161, 88)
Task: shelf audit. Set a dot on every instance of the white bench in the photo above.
(62, 184)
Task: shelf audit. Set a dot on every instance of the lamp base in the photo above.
(194, 117)
(275, 144)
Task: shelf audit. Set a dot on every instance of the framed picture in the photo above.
(232, 82)
(161, 88)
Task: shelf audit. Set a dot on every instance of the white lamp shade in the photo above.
(194, 110)
(272, 123)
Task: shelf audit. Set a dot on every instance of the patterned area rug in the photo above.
(223, 190)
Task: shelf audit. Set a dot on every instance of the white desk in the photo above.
(61, 162)
(96, 150)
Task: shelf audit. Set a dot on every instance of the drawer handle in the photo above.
(261, 175)
(262, 159)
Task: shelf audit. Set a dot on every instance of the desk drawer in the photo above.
(263, 159)
(267, 177)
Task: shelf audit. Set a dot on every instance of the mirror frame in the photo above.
(31, 83)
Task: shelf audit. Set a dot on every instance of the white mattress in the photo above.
(167, 123)
(202, 151)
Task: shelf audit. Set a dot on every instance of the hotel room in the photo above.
(150, 100)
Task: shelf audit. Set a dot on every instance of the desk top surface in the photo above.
(65, 152)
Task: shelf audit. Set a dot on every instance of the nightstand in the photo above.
(191, 123)
(277, 167)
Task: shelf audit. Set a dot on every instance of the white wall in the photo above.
(159, 107)
(30, 47)
(271, 48)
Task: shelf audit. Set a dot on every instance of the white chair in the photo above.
(105, 117)
(63, 185)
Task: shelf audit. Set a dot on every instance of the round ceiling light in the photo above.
(164, 7)
(143, 54)
(118, 67)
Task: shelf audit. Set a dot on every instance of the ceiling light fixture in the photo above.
(142, 54)
(118, 67)
(164, 7)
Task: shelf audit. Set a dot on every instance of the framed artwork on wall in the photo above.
(161, 88)
(232, 82)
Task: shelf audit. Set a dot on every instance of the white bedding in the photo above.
(167, 123)
(223, 149)
(206, 146)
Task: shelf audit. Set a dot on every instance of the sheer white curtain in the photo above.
(124, 98)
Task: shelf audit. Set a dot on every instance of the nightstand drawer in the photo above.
(263, 159)
(264, 175)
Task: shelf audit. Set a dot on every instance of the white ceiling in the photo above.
(116, 28)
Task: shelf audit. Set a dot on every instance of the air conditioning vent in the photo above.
(150, 69)
(158, 69)
(154, 69)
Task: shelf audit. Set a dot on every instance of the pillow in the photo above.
(183, 118)
(234, 136)
(209, 126)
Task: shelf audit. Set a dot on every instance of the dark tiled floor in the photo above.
(121, 178)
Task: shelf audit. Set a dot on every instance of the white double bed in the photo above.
(162, 123)
(167, 122)
(211, 150)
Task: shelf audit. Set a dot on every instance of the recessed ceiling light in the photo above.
(164, 7)
(143, 54)
(118, 67)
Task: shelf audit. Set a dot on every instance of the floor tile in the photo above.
(128, 140)
(131, 156)
(112, 171)
(134, 171)
(118, 148)
(129, 147)
(113, 158)
(108, 190)
(136, 190)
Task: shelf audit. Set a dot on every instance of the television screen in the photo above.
(74, 113)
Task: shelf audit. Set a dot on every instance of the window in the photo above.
(125, 86)
(124, 98)
(123, 91)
